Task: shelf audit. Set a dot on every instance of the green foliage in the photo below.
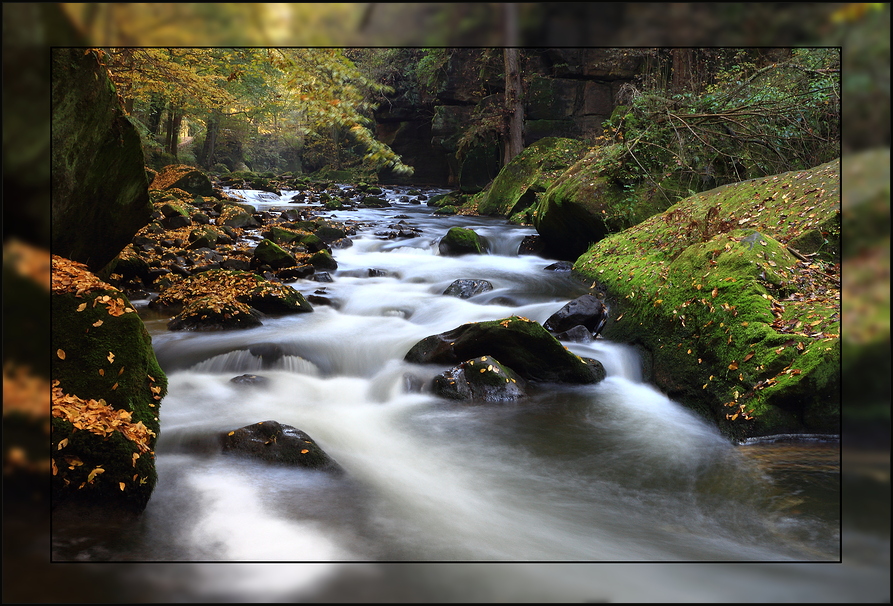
(430, 71)
(272, 97)
(751, 121)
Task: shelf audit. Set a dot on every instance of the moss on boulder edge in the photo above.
(515, 188)
(741, 328)
(107, 390)
(590, 200)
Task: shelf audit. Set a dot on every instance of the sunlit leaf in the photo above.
(733, 365)
(60, 353)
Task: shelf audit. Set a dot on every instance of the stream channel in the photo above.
(609, 472)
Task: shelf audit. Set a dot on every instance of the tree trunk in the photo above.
(514, 141)
(174, 119)
(207, 158)
(156, 109)
(682, 70)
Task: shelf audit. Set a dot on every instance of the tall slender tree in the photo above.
(514, 131)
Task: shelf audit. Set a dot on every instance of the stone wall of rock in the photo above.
(569, 93)
(100, 195)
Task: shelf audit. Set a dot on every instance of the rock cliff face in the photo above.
(100, 190)
(567, 93)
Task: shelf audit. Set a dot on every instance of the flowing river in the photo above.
(609, 472)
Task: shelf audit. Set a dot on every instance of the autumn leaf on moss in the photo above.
(99, 418)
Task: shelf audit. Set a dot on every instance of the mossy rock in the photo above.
(130, 265)
(204, 237)
(529, 173)
(215, 312)
(279, 235)
(99, 182)
(447, 199)
(374, 202)
(462, 241)
(482, 379)
(519, 343)
(243, 286)
(184, 177)
(234, 215)
(587, 202)
(271, 254)
(107, 392)
(740, 329)
(323, 260)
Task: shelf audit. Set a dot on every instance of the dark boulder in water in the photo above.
(588, 311)
(274, 442)
(519, 343)
(465, 289)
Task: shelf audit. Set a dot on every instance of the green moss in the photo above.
(323, 260)
(101, 356)
(590, 200)
(461, 240)
(270, 253)
(515, 187)
(735, 331)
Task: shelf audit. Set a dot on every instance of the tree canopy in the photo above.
(288, 92)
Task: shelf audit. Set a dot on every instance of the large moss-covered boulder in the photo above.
(521, 344)
(588, 201)
(742, 326)
(184, 177)
(100, 190)
(515, 188)
(106, 394)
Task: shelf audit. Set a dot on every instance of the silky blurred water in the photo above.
(609, 473)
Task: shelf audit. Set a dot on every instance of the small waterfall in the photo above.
(244, 360)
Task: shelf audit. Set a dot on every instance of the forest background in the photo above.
(861, 29)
